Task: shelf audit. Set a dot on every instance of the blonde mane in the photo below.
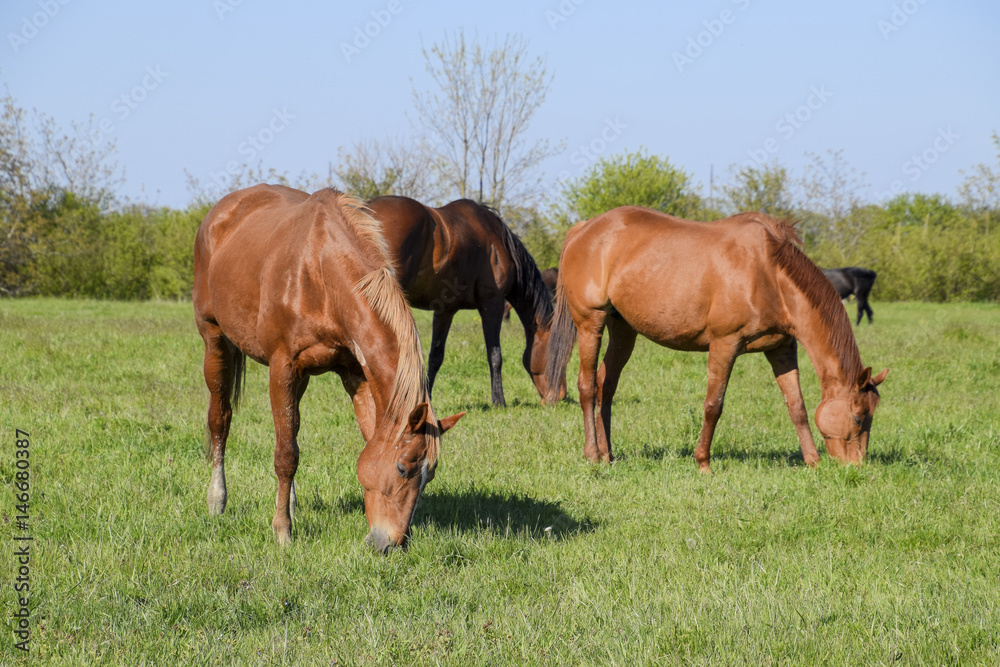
(382, 292)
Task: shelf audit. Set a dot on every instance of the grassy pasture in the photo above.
(523, 553)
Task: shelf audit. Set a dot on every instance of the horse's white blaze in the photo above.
(424, 473)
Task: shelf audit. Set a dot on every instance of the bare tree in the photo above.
(46, 159)
(478, 118)
(42, 168)
(980, 191)
(388, 167)
(766, 188)
(831, 187)
(832, 197)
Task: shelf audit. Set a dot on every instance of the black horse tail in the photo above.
(562, 337)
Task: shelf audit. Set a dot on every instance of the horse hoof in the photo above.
(216, 503)
(282, 533)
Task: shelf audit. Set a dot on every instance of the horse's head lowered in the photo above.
(846, 421)
(535, 359)
(394, 468)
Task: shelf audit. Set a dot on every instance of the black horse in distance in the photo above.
(853, 280)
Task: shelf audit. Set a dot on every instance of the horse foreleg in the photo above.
(621, 342)
(220, 374)
(589, 342)
(722, 355)
(785, 365)
(491, 314)
(439, 336)
(286, 389)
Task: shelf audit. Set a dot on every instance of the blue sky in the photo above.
(707, 84)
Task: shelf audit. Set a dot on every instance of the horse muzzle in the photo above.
(380, 540)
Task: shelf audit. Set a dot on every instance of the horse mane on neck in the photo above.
(528, 290)
(381, 290)
(785, 246)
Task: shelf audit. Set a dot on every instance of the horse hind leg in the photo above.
(223, 367)
(491, 314)
(589, 333)
(621, 342)
(864, 307)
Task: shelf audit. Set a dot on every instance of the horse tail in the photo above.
(239, 378)
(562, 337)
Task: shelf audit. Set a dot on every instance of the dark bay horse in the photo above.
(462, 256)
(550, 277)
(853, 280)
(729, 287)
(304, 285)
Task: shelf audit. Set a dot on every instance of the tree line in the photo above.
(65, 231)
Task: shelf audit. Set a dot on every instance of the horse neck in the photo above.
(828, 340)
(532, 317)
(377, 351)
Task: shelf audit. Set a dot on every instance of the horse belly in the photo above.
(669, 315)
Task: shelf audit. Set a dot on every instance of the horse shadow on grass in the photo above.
(752, 453)
(760, 454)
(473, 510)
(505, 515)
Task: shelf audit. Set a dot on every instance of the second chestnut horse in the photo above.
(726, 287)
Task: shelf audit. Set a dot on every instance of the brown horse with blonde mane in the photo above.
(727, 287)
(304, 285)
(462, 256)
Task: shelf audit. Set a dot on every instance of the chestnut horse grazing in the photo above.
(729, 287)
(462, 256)
(304, 285)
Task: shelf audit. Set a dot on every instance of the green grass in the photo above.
(523, 553)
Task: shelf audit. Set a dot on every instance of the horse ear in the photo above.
(880, 378)
(446, 423)
(418, 417)
(865, 377)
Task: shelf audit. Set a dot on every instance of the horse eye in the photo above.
(857, 419)
(401, 470)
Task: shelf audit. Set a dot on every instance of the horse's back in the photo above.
(676, 281)
(266, 258)
(445, 257)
